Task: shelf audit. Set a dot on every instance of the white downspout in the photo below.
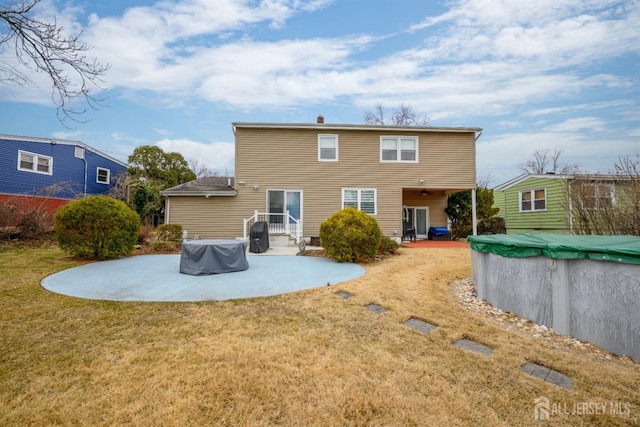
(85, 176)
(474, 219)
(570, 207)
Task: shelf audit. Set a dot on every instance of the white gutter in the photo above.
(206, 194)
(317, 126)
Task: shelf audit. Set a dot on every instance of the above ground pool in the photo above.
(584, 286)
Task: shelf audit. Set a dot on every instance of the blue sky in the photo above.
(535, 75)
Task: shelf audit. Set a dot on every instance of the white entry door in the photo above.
(418, 218)
(281, 201)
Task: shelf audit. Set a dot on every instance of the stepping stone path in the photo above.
(474, 346)
(547, 375)
(376, 308)
(419, 325)
(344, 295)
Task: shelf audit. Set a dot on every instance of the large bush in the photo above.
(98, 227)
(350, 235)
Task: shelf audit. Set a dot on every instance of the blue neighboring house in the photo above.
(54, 169)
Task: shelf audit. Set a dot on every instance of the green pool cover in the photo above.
(623, 249)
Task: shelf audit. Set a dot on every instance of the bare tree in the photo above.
(43, 46)
(606, 204)
(200, 169)
(545, 161)
(403, 116)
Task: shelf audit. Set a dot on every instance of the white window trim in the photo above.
(98, 169)
(36, 157)
(533, 200)
(335, 136)
(360, 190)
(399, 148)
(596, 191)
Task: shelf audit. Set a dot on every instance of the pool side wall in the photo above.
(594, 301)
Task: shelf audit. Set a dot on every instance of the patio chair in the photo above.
(408, 232)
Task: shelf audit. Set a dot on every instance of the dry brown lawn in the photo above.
(305, 359)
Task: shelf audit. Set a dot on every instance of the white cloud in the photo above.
(172, 47)
(488, 55)
(568, 109)
(579, 124)
(217, 156)
(591, 154)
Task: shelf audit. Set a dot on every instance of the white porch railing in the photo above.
(279, 223)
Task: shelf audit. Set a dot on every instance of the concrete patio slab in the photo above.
(157, 278)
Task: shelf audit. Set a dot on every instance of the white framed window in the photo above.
(364, 199)
(37, 163)
(327, 148)
(103, 175)
(395, 149)
(534, 200)
(597, 195)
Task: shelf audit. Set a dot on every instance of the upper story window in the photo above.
(399, 149)
(31, 162)
(328, 148)
(360, 198)
(103, 175)
(533, 200)
(597, 195)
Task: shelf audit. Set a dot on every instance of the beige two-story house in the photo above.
(294, 176)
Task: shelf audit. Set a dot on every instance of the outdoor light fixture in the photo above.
(423, 192)
(421, 181)
(255, 187)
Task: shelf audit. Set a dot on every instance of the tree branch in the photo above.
(42, 46)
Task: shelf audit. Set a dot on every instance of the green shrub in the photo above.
(170, 232)
(388, 246)
(350, 235)
(97, 227)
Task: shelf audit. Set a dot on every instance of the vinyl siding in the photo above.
(553, 220)
(207, 218)
(499, 202)
(435, 202)
(277, 159)
(68, 174)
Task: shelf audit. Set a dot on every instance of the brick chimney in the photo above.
(320, 119)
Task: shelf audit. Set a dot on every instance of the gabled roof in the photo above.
(525, 176)
(207, 186)
(61, 142)
(335, 127)
(586, 176)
